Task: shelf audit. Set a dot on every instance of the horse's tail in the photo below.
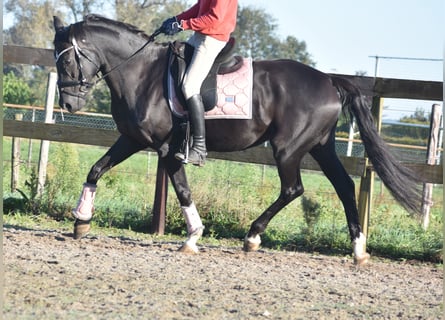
(401, 181)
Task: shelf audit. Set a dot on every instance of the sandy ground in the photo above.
(48, 275)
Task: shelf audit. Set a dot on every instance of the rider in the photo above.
(212, 22)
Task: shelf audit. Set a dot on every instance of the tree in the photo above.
(148, 15)
(291, 48)
(15, 90)
(254, 33)
(79, 9)
(419, 116)
(33, 23)
(32, 28)
(256, 37)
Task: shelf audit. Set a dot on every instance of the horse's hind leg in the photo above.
(344, 186)
(291, 188)
(121, 150)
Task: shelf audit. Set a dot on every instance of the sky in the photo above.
(341, 36)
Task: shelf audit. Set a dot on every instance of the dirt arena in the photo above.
(48, 275)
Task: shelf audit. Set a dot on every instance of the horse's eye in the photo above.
(67, 62)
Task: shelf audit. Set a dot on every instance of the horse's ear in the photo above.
(58, 24)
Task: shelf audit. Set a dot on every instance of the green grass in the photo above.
(229, 196)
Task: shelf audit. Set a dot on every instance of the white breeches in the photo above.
(206, 51)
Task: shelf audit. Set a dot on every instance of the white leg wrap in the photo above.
(359, 245)
(256, 240)
(85, 205)
(192, 219)
(194, 229)
(193, 239)
(252, 243)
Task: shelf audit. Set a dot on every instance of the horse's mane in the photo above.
(95, 19)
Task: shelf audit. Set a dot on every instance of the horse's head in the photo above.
(76, 63)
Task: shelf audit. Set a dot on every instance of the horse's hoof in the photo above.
(188, 249)
(81, 229)
(362, 260)
(252, 243)
(250, 247)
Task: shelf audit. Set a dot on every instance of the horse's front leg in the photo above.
(195, 228)
(123, 148)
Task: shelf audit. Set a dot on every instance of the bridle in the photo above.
(80, 53)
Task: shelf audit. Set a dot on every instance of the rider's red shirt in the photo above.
(216, 18)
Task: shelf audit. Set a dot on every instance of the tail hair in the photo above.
(402, 182)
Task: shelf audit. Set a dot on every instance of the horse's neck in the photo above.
(117, 56)
(138, 84)
(124, 66)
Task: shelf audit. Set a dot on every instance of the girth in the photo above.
(181, 54)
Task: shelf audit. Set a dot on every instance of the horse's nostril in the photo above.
(67, 106)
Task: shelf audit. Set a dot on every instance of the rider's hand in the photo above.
(171, 26)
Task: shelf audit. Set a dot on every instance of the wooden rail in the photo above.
(259, 155)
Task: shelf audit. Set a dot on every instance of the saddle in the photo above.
(180, 56)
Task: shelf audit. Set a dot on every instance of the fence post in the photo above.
(44, 144)
(427, 200)
(367, 180)
(350, 138)
(364, 198)
(15, 163)
(28, 165)
(160, 201)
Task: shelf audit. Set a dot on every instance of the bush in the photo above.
(62, 181)
(15, 90)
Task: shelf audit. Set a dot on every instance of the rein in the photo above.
(79, 52)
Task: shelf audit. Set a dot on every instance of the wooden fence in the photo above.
(375, 87)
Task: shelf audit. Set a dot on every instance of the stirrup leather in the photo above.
(183, 153)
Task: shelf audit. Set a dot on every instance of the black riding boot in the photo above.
(198, 152)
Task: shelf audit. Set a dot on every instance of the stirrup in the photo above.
(200, 158)
(183, 155)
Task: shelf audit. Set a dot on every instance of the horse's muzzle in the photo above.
(71, 103)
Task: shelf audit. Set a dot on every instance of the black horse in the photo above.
(295, 107)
